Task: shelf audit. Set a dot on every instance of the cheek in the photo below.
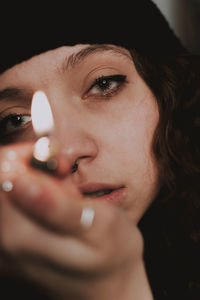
(134, 154)
(131, 141)
(132, 138)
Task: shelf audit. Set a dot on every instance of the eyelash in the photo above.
(104, 90)
(104, 85)
(12, 118)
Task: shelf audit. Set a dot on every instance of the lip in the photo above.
(117, 195)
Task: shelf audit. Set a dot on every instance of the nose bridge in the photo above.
(74, 134)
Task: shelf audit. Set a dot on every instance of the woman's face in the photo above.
(105, 118)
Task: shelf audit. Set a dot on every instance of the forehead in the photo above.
(61, 58)
(51, 58)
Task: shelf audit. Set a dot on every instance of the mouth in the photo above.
(105, 193)
(98, 193)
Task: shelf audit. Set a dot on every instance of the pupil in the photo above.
(16, 120)
(104, 83)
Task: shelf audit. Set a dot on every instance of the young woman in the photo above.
(121, 222)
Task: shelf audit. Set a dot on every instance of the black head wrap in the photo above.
(138, 25)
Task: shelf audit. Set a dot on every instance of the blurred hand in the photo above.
(73, 247)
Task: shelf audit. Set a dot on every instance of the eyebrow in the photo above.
(15, 93)
(69, 62)
(76, 58)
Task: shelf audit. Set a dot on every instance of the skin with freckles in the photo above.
(105, 118)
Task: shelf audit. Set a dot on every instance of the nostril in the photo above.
(77, 162)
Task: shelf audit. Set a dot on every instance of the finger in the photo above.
(42, 198)
(15, 152)
(46, 202)
(68, 213)
(42, 202)
(16, 159)
(25, 238)
(75, 247)
(25, 241)
(13, 163)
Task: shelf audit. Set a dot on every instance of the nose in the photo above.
(79, 150)
(77, 146)
(73, 129)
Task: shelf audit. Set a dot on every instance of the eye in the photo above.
(106, 86)
(13, 123)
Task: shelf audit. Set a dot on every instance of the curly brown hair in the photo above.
(171, 228)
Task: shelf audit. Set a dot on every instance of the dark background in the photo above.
(184, 18)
